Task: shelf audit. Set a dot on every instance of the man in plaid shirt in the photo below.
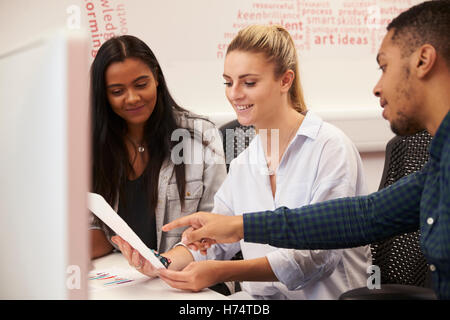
(414, 91)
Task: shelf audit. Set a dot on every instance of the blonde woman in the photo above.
(295, 159)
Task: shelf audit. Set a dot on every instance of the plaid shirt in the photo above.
(421, 199)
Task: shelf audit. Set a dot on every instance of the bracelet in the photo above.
(165, 261)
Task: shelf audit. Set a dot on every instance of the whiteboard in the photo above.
(337, 42)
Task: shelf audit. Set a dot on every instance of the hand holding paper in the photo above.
(135, 259)
(99, 207)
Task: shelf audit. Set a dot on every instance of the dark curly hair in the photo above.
(425, 23)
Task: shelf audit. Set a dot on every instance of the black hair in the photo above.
(110, 161)
(425, 23)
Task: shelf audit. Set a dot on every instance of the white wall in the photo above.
(189, 38)
(373, 163)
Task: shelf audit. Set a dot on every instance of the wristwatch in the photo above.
(165, 261)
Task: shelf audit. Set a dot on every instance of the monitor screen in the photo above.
(44, 168)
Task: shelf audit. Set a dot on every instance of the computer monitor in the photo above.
(44, 134)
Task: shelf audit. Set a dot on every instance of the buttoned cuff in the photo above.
(195, 253)
(286, 269)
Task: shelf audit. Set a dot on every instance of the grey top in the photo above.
(205, 171)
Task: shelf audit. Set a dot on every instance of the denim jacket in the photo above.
(205, 171)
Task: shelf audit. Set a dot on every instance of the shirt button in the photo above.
(432, 268)
(430, 221)
(188, 194)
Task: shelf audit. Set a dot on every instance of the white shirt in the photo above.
(320, 163)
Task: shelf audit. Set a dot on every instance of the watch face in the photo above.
(165, 261)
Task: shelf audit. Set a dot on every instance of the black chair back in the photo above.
(400, 259)
(236, 139)
(404, 270)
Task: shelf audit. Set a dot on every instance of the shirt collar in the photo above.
(310, 126)
(440, 138)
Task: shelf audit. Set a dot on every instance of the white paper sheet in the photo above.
(98, 205)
